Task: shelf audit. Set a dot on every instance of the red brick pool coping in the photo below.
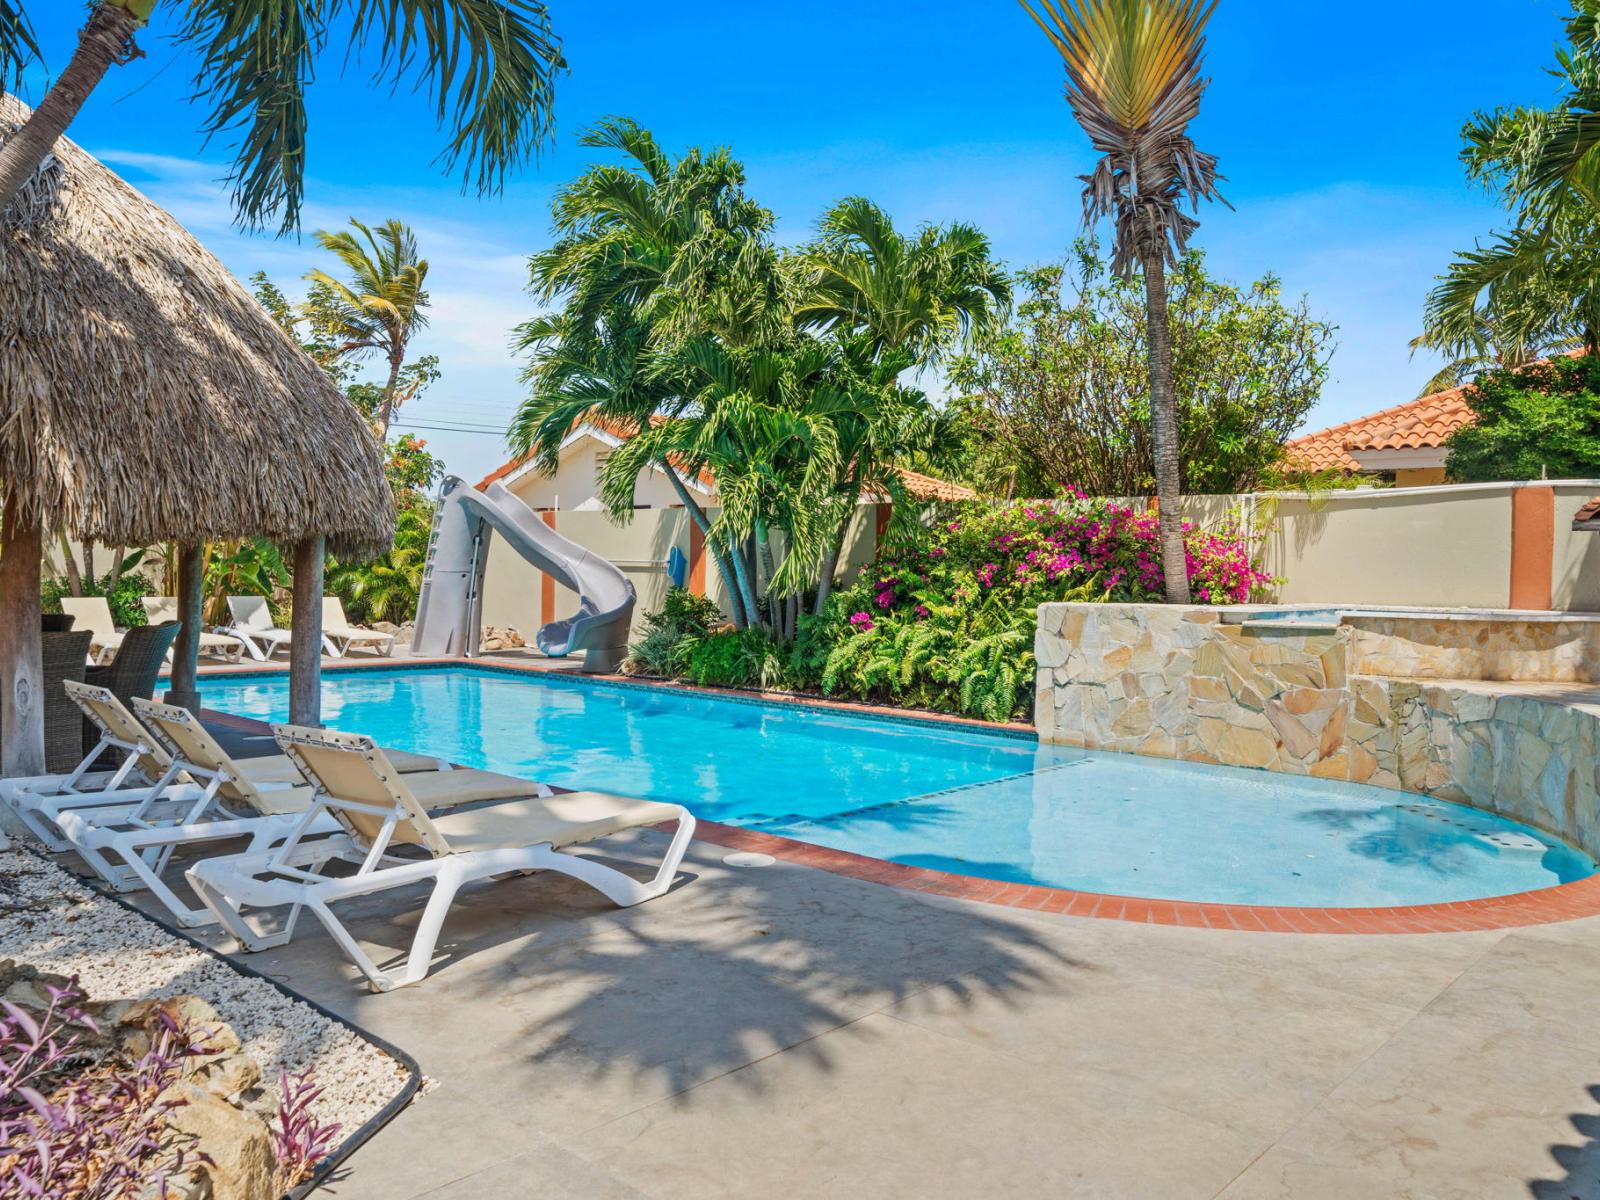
(1565, 902)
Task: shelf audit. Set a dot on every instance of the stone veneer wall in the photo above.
(1178, 683)
(1425, 648)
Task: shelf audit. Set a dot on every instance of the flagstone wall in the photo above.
(1179, 683)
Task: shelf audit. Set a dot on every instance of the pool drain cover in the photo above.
(748, 858)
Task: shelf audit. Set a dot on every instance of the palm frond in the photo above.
(18, 45)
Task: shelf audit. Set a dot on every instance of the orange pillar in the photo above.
(697, 560)
(547, 583)
(1533, 546)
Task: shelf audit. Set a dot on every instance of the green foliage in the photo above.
(122, 593)
(683, 619)
(735, 658)
(1539, 421)
(252, 567)
(1061, 396)
(387, 588)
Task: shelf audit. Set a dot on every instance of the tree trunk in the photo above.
(102, 42)
(764, 559)
(69, 562)
(116, 566)
(21, 651)
(830, 564)
(305, 650)
(714, 546)
(183, 686)
(1164, 430)
(742, 570)
(386, 409)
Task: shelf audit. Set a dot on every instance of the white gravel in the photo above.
(65, 928)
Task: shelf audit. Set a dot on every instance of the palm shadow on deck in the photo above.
(543, 990)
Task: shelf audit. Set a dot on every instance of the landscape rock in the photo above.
(238, 1144)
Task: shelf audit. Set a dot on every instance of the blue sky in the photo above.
(1336, 124)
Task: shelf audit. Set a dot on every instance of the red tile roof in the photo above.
(1416, 425)
(917, 485)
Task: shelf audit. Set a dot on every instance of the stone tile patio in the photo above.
(789, 1032)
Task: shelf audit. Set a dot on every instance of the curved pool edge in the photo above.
(1545, 906)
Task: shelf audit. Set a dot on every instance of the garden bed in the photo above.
(54, 923)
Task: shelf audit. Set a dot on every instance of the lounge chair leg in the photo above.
(624, 890)
(376, 979)
(428, 929)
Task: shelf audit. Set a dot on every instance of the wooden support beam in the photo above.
(21, 650)
(183, 684)
(305, 622)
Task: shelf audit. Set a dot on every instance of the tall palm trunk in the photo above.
(386, 409)
(830, 563)
(1164, 428)
(103, 41)
(744, 570)
(714, 546)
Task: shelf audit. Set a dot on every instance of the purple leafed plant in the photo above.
(74, 1127)
(299, 1140)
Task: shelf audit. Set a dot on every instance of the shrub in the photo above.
(735, 658)
(947, 621)
(683, 619)
(122, 595)
(78, 1129)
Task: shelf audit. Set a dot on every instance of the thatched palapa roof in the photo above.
(145, 396)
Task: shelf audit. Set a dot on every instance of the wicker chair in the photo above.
(56, 622)
(132, 673)
(64, 658)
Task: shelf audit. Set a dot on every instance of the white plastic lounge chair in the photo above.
(381, 813)
(146, 769)
(340, 636)
(160, 609)
(262, 799)
(252, 625)
(94, 614)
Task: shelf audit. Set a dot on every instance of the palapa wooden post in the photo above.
(305, 623)
(184, 687)
(21, 650)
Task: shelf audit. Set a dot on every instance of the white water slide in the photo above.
(450, 610)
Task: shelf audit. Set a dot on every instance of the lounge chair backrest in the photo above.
(158, 610)
(251, 612)
(108, 715)
(349, 770)
(333, 613)
(91, 613)
(189, 741)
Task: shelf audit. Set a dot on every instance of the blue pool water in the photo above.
(952, 798)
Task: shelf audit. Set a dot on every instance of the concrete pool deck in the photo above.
(786, 1031)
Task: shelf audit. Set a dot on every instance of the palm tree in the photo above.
(489, 65)
(895, 303)
(916, 296)
(765, 421)
(1134, 84)
(649, 253)
(380, 309)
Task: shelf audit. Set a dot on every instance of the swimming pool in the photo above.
(971, 801)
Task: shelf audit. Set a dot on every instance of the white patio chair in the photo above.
(160, 609)
(261, 799)
(146, 770)
(340, 636)
(381, 813)
(253, 625)
(94, 614)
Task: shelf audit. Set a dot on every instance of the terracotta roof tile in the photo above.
(1588, 517)
(1419, 424)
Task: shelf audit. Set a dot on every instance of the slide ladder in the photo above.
(450, 609)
